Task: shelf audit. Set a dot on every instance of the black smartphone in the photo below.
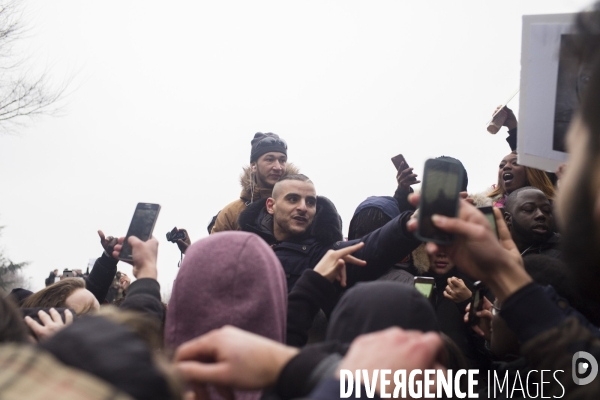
(397, 160)
(142, 225)
(476, 303)
(424, 285)
(440, 193)
(489, 214)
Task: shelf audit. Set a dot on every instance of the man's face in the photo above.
(530, 218)
(269, 168)
(293, 208)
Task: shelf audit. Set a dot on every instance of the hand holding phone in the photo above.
(439, 195)
(141, 226)
(398, 160)
(144, 255)
(476, 303)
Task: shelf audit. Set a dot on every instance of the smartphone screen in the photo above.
(424, 288)
(424, 285)
(142, 225)
(489, 214)
(439, 195)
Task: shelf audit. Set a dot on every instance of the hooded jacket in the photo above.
(227, 219)
(229, 278)
(382, 248)
(367, 307)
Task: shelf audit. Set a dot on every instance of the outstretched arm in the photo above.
(383, 248)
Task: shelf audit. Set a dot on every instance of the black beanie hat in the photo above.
(263, 143)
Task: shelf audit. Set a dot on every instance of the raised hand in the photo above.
(144, 256)
(108, 243)
(405, 177)
(333, 264)
(456, 290)
(231, 358)
(477, 251)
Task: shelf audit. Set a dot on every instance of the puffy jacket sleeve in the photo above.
(143, 295)
(401, 197)
(383, 248)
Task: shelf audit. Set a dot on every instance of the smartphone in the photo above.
(424, 285)
(142, 225)
(476, 303)
(440, 193)
(398, 161)
(67, 274)
(489, 214)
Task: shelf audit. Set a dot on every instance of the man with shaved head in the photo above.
(301, 227)
(529, 217)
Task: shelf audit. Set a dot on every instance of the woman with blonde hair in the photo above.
(68, 293)
(512, 176)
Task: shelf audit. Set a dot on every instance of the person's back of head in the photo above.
(67, 293)
(112, 348)
(372, 214)
(12, 327)
(374, 306)
(228, 278)
(465, 176)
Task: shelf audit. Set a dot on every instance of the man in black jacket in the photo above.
(301, 226)
(529, 217)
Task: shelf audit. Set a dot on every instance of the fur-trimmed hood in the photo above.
(259, 193)
(326, 227)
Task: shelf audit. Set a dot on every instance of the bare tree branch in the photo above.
(23, 93)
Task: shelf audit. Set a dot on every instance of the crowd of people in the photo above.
(275, 302)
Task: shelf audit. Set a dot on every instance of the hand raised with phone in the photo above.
(405, 177)
(477, 251)
(144, 256)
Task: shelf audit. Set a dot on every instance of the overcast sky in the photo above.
(166, 97)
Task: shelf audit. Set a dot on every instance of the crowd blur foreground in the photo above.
(276, 304)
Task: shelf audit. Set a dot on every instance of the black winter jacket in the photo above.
(383, 247)
(450, 317)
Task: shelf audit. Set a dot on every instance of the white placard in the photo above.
(538, 112)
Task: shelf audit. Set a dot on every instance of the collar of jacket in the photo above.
(326, 227)
(259, 193)
(553, 241)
